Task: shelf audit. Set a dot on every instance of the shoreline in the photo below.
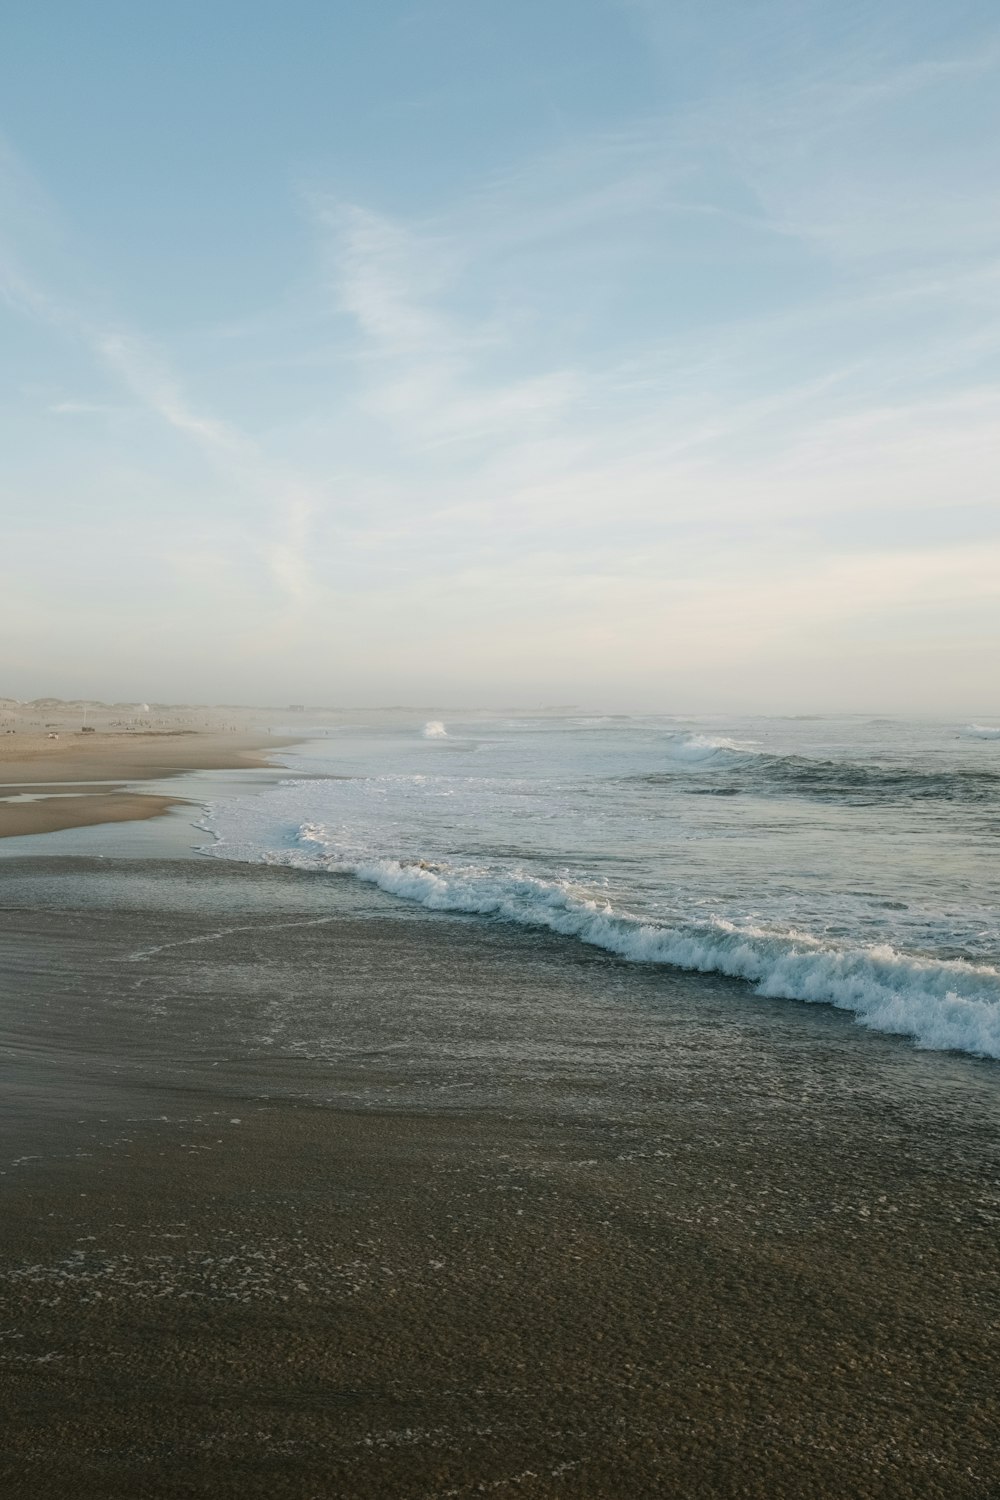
(78, 780)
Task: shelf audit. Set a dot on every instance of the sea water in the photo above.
(846, 861)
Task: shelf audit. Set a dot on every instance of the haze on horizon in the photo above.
(622, 352)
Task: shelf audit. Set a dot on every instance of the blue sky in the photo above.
(625, 352)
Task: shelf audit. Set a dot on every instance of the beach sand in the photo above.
(308, 1195)
(64, 777)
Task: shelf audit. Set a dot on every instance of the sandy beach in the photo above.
(55, 773)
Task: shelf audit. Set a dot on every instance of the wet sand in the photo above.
(48, 814)
(305, 1195)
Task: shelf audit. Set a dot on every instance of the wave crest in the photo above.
(942, 1004)
(697, 749)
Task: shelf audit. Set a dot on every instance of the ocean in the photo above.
(846, 861)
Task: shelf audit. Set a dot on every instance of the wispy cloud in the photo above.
(145, 377)
(73, 408)
(422, 366)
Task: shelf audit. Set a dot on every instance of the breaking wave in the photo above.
(980, 732)
(702, 749)
(941, 1004)
(434, 730)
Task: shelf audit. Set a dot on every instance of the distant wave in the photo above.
(980, 732)
(702, 749)
(855, 781)
(434, 730)
(860, 782)
(942, 1004)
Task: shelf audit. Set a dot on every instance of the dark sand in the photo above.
(315, 1197)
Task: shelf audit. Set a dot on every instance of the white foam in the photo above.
(980, 732)
(945, 1005)
(435, 730)
(697, 749)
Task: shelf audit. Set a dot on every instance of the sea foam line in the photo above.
(943, 1005)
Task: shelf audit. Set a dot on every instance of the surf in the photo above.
(942, 1005)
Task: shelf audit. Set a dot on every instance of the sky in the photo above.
(641, 354)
